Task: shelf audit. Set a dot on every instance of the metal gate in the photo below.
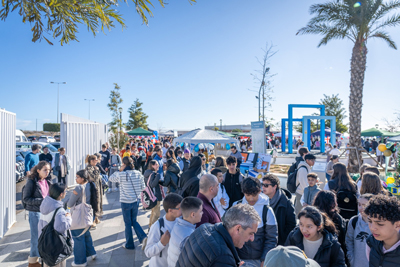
(7, 171)
(80, 137)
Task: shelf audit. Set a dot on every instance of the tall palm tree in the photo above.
(358, 21)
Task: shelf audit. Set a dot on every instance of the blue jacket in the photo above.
(31, 160)
(182, 229)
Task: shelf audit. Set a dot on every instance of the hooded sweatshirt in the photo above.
(266, 237)
(62, 223)
(356, 240)
(301, 179)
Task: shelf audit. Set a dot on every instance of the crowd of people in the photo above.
(214, 215)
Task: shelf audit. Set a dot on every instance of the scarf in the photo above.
(275, 199)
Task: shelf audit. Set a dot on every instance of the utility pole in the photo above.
(220, 124)
(58, 97)
(263, 103)
(36, 125)
(120, 124)
(89, 105)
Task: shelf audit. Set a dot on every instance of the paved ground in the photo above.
(107, 238)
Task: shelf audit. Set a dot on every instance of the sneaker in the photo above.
(94, 256)
(144, 243)
(78, 265)
(124, 246)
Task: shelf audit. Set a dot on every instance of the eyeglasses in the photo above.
(266, 185)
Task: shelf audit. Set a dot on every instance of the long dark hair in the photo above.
(318, 218)
(170, 155)
(128, 162)
(325, 201)
(56, 190)
(34, 171)
(342, 177)
(83, 174)
(151, 164)
(220, 162)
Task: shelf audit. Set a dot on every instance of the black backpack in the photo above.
(181, 190)
(53, 246)
(291, 184)
(347, 203)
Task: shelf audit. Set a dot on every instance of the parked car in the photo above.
(32, 138)
(20, 136)
(56, 144)
(46, 139)
(28, 146)
(57, 137)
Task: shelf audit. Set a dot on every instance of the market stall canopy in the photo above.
(327, 133)
(204, 136)
(167, 133)
(140, 131)
(377, 132)
(295, 134)
(227, 134)
(394, 139)
(243, 134)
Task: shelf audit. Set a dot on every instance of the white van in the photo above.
(20, 136)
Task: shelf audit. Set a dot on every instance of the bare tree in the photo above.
(263, 78)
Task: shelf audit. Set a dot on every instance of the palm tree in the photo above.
(358, 21)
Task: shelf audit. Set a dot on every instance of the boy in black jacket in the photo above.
(384, 222)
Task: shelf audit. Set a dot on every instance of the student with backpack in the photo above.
(357, 234)
(266, 237)
(291, 184)
(345, 189)
(152, 180)
(222, 199)
(83, 243)
(315, 235)
(192, 210)
(115, 165)
(171, 177)
(52, 207)
(383, 245)
(189, 182)
(159, 235)
(34, 191)
(303, 169)
(131, 184)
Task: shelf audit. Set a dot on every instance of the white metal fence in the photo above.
(80, 137)
(7, 171)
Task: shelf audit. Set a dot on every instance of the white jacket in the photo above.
(301, 178)
(182, 229)
(217, 200)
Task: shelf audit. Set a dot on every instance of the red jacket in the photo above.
(210, 213)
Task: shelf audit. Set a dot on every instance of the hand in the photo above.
(223, 202)
(122, 168)
(241, 263)
(28, 173)
(165, 238)
(67, 214)
(262, 264)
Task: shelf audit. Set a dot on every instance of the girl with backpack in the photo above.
(152, 179)
(315, 235)
(115, 165)
(94, 176)
(62, 219)
(326, 202)
(36, 189)
(171, 177)
(83, 243)
(345, 189)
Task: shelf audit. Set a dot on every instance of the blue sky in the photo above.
(190, 66)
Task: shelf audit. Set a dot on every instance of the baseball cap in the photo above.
(288, 257)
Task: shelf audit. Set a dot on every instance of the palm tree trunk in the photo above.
(358, 66)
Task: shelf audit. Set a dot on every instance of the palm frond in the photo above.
(384, 9)
(385, 37)
(390, 22)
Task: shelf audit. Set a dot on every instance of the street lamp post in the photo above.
(120, 124)
(220, 124)
(58, 96)
(89, 104)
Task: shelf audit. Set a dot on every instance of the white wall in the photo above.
(7, 171)
(80, 137)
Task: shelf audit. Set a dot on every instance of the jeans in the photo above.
(33, 224)
(130, 212)
(328, 177)
(83, 246)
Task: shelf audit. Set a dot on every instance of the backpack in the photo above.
(147, 197)
(161, 224)
(126, 154)
(292, 168)
(291, 184)
(354, 221)
(347, 203)
(143, 155)
(181, 190)
(53, 246)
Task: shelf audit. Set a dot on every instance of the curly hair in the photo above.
(325, 201)
(251, 186)
(384, 207)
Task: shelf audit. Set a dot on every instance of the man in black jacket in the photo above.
(279, 200)
(233, 181)
(215, 245)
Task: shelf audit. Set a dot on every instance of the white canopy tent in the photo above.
(205, 136)
(295, 134)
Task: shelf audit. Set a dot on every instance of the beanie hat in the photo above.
(288, 257)
(186, 151)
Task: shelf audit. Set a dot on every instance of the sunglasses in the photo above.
(266, 185)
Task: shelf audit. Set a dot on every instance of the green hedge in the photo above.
(51, 127)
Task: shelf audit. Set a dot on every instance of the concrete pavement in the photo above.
(108, 239)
